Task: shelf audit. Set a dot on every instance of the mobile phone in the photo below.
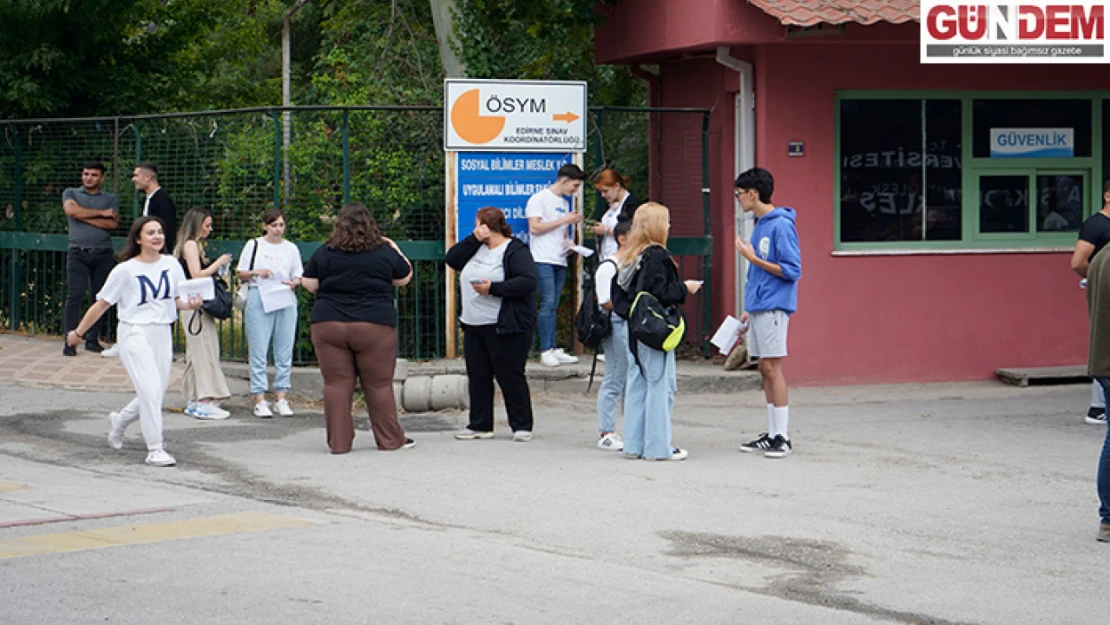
(476, 280)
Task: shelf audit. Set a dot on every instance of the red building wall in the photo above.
(883, 318)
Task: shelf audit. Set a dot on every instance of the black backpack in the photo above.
(592, 324)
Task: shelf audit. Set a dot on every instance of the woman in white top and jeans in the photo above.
(144, 288)
(270, 258)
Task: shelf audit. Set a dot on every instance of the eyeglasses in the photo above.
(737, 193)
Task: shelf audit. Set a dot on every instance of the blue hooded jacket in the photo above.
(775, 240)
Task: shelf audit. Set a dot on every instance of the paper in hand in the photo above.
(204, 287)
(583, 250)
(726, 336)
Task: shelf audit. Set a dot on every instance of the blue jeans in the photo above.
(552, 278)
(648, 403)
(262, 327)
(1103, 479)
(611, 393)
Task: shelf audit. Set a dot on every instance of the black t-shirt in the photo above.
(356, 286)
(1096, 231)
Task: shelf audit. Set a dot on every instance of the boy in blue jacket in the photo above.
(770, 297)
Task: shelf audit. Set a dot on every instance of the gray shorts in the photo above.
(767, 336)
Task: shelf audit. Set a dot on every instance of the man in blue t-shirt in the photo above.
(92, 214)
(770, 297)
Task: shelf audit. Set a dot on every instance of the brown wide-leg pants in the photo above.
(366, 351)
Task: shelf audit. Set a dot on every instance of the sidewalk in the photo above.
(38, 363)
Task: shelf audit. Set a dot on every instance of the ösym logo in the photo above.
(1003, 31)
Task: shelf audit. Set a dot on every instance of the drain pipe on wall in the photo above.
(743, 157)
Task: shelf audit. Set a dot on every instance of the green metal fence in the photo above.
(237, 164)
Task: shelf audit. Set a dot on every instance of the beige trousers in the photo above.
(203, 377)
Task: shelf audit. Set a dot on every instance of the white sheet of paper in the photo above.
(728, 334)
(583, 250)
(197, 286)
(274, 294)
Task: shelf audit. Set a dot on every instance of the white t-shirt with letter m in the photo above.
(144, 293)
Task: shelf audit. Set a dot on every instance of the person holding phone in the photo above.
(497, 282)
(203, 383)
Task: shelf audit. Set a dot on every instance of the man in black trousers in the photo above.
(158, 203)
(92, 215)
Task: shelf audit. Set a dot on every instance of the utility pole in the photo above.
(286, 95)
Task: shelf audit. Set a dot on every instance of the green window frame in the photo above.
(1090, 168)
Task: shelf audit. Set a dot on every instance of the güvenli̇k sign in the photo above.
(1001, 31)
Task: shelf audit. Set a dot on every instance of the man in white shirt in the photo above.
(549, 214)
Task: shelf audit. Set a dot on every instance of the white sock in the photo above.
(771, 420)
(781, 418)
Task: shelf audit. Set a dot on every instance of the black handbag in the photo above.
(219, 306)
(650, 322)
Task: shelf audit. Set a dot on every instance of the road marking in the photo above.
(143, 534)
(7, 487)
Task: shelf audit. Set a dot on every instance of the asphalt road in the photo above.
(931, 504)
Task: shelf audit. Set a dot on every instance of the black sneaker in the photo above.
(763, 443)
(68, 351)
(1096, 416)
(780, 448)
(93, 347)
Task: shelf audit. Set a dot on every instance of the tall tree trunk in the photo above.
(441, 16)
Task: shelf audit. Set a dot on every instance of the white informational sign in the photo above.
(514, 115)
(1004, 31)
(1032, 142)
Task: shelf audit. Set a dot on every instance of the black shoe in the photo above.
(68, 351)
(780, 448)
(93, 347)
(1096, 416)
(763, 443)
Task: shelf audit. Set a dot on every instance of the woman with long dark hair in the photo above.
(354, 326)
(645, 265)
(203, 383)
(498, 283)
(144, 288)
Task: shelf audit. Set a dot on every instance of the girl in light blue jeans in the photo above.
(270, 264)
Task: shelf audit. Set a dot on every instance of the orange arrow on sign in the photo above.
(567, 117)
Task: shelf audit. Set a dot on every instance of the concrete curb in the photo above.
(441, 384)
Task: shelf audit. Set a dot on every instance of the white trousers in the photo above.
(147, 354)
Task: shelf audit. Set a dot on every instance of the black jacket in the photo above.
(628, 209)
(517, 291)
(162, 207)
(657, 275)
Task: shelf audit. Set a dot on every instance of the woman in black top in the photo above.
(649, 394)
(354, 326)
(498, 285)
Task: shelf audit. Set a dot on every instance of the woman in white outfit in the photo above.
(270, 259)
(144, 288)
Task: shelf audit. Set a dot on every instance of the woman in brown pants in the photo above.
(354, 326)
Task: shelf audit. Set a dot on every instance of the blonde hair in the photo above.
(190, 230)
(649, 227)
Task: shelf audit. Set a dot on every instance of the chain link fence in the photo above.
(308, 161)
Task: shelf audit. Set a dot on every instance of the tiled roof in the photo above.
(813, 12)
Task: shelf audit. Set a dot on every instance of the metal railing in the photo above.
(232, 163)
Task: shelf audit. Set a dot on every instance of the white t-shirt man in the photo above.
(144, 293)
(283, 259)
(548, 247)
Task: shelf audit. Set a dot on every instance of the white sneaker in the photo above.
(522, 436)
(601, 357)
(191, 408)
(549, 359)
(283, 409)
(159, 458)
(565, 358)
(115, 433)
(262, 410)
(467, 434)
(207, 411)
(111, 352)
(610, 442)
